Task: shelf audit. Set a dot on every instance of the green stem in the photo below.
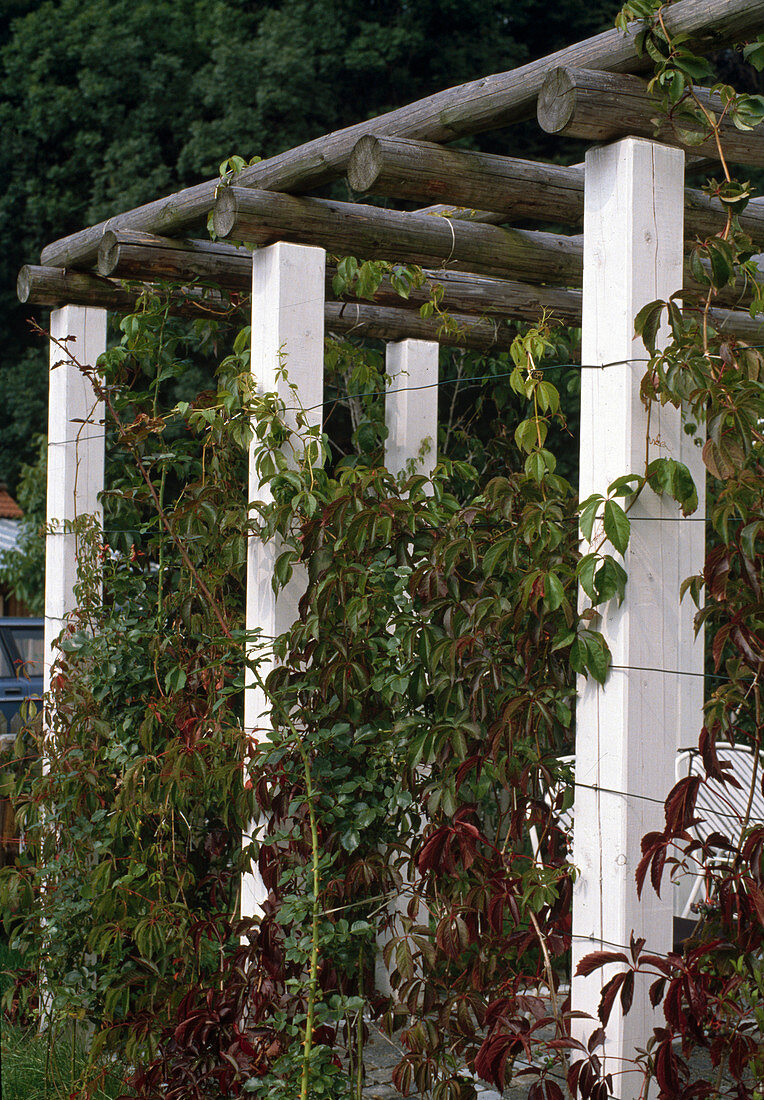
(307, 1045)
(359, 1032)
(313, 972)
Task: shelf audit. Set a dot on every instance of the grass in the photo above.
(48, 1065)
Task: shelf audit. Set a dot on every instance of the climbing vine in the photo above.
(410, 788)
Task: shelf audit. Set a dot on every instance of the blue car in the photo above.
(21, 667)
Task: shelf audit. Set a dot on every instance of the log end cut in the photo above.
(108, 253)
(224, 212)
(24, 284)
(557, 101)
(365, 164)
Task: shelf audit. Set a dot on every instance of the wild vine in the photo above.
(411, 788)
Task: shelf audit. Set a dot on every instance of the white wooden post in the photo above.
(75, 457)
(287, 330)
(411, 418)
(628, 730)
(411, 406)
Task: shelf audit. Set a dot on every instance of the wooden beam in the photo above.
(148, 258)
(463, 294)
(483, 104)
(53, 287)
(482, 188)
(422, 171)
(375, 322)
(261, 217)
(601, 107)
(128, 254)
(467, 293)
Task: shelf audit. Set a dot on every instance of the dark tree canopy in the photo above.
(106, 104)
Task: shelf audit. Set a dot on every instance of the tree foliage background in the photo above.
(106, 104)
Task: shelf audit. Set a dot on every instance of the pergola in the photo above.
(630, 216)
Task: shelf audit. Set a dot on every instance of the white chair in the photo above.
(721, 808)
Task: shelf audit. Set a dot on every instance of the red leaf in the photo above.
(667, 1067)
(656, 991)
(680, 804)
(627, 992)
(609, 993)
(595, 959)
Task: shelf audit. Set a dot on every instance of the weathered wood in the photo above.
(601, 106)
(53, 287)
(387, 323)
(261, 217)
(131, 255)
(483, 104)
(463, 213)
(467, 293)
(462, 294)
(422, 171)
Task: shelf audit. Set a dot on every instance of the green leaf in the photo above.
(617, 526)
(597, 655)
(588, 514)
(350, 839)
(585, 573)
(554, 593)
(610, 580)
(647, 323)
(175, 680)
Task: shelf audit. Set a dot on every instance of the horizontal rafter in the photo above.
(422, 172)
(483, 104)
(599, 106)
(466, 298)
(261, 217)
(132, 255)
(488, 188)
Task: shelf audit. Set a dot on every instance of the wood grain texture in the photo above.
(129, 254)
(376, 322)
(422, 171)
(483, 104)
(492, 189)
(54, 287)
(261, 217)
(602, 106)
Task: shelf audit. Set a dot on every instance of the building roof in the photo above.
(9, 509)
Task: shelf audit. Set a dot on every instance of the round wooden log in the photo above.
(602, 106)
(465, 293)
(422, 171)
(739, 324)
(483, 104)
(128, 254)
(53, 287)
(386, 323)
(261, 217)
